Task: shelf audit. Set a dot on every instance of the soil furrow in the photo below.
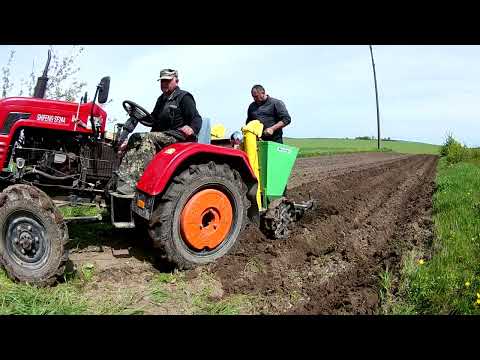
(331, 263)
(370, 210)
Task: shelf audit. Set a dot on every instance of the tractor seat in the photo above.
(204, 133)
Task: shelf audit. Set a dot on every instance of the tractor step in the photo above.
(120, 253)
(120, 210)
(83, 219)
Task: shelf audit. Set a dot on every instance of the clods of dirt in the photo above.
(369, 209)
(365, 217)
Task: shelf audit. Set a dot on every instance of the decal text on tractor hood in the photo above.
(52, 118)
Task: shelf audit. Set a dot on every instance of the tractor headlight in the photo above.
(143, 205)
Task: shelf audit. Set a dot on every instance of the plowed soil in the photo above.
(369, 209)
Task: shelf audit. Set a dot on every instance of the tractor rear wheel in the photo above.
(200, 215)
(33, 236)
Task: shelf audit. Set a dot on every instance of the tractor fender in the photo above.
(165, 163)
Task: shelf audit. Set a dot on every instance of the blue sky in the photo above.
(424, 91)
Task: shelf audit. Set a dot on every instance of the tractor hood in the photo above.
(57, 115)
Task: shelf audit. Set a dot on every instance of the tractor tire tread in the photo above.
(160, 228)
(22, 192)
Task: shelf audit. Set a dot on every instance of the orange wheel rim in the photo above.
(206, 219)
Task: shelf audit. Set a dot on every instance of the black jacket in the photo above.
(270, 112)
(169, 114)
(177, 110)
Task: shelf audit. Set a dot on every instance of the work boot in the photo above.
(125, 189)
(123, 186)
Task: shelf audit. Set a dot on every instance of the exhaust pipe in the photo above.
(41, 86)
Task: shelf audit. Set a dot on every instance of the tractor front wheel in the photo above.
(33, 236)
(200, 215)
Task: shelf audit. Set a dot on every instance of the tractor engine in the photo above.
(72, 160)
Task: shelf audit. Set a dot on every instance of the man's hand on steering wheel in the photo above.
(138, 113)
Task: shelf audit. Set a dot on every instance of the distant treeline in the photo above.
(372, 138)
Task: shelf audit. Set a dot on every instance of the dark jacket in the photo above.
(270, 112)
(177, 110)
(170, 114)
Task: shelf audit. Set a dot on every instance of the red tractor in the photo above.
(194, 199)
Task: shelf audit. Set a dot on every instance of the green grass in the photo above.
(67, 298)
(228, 306)
(88, 270)
(449, 282)
(24, 299)
(314, 147)
(386, 297)
(159, 293)
(81, 210)
(165, 278)
(195, 297)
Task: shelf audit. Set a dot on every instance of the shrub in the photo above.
(456, 153)
(448, 142)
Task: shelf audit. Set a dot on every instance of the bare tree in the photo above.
(7, 84)
(29, 83)
(62, 83)
(63, 69)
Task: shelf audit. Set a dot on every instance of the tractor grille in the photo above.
(100, 160)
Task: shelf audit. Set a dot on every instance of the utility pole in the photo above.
(376, 95)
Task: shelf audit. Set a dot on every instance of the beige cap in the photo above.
(168, 74)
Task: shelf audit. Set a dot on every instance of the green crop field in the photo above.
(312, 147)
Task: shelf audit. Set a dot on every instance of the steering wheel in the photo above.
(138, 113)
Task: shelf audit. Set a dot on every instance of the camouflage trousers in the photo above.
(141, 149)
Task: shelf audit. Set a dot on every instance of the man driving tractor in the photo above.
(174, 119)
